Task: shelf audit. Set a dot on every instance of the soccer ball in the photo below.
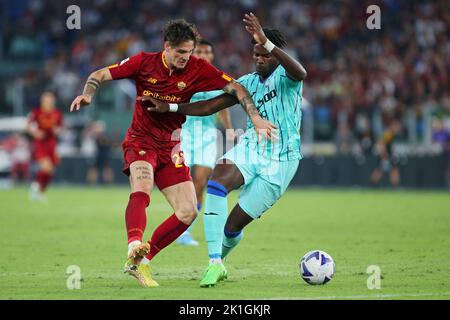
(317, 267)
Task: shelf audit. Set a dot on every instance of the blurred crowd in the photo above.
(355, 75)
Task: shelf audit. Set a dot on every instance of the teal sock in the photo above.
(230, 240)
(214, 218)
(199, 207)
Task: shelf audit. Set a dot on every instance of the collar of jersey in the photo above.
(174, 71)
(164, 61)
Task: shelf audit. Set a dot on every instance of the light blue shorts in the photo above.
(199, 148)
(265, 180)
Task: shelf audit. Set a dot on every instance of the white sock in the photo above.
(215, 260)
(133, 244)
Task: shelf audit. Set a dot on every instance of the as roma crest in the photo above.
(181, 85)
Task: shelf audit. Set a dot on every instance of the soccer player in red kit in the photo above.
(151, 147)
(44, 124)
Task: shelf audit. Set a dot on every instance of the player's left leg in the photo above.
(256, 198)
(233, 231)
(182, 198)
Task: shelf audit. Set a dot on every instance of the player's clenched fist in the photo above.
(80, 101)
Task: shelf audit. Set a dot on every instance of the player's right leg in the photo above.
(108, 175)
(141, 182)
(200, 178)
(225, 178)
(395, 176)
(42, 179)
(199, 145)
(376, 176)
(92, 175)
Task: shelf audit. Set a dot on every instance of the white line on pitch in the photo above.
(443, 294)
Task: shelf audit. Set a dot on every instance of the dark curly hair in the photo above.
(179, 31)
(208, 43)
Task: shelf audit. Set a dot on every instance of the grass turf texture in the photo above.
(405, 233)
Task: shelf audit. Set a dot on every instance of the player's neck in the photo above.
(169, 66)
(267, 75)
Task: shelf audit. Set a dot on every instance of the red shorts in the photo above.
(45, 149)
(168, 166)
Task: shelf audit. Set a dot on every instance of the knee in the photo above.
(199, 180)
(47, 167)
(187, 213)
(142, 186)
(48, 170)
(200, 184)
(223, 182)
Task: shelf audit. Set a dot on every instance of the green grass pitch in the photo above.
(405, 233)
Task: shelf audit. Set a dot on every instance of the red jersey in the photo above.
(151, 74)
(46, 121)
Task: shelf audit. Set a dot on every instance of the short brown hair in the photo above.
(179, 31)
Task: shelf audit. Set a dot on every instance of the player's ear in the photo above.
(166, 45)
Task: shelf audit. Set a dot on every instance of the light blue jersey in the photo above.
(278, 100)
(199, 135)
(268, 167)
(206, 121)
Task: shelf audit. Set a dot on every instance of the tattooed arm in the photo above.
(235, 92)
(92, 84)
(243, 96)
(263, 127)
(198, 108)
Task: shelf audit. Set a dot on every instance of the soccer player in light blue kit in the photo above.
(263, 168)
(199, 140)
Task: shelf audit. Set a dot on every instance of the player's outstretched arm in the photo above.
(263, 127)
(234, 91)
(92, 84)
(199, 108)
(294, 69)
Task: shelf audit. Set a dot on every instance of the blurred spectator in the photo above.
(402, 67)
(100, 169)
(387, 161)
(364, 134)
(344, 139)
(441, 136)
(19, 150)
